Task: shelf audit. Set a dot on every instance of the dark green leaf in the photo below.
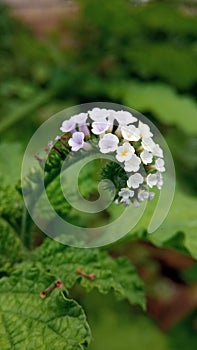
(29, 322)
(110, 274)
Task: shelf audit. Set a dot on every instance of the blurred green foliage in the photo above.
(143, 56)
(153, 42)
(123, 323)
(130, 324)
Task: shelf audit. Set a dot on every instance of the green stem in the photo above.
(25, 234)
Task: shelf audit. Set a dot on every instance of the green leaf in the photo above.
(180, 219)
(110, 274)
(29, 322)
(11, 206)
(177, 241)
(124, 324)
(26, 109)
(11, 248)
(167, 106)
(10, 169)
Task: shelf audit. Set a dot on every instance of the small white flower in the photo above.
(133, 164)
(136, 204)
(149, 145)
(155, 180)
(130, 133)
(50, 145)
(68, 125)
(152, 180)
(110, 119)
(135, 180)
(108, 143)
(125, 117)
(159, 165)
(99, 128)
(84, 129)
(143, 195)
(144, 130)
(80, 118)
(146, 157)
(125, 201)
(126, 193)
(151, 196)
(125, 152)
(98, 114)
(159, 180)
(77, 141)
(57, 138)
(157, 151)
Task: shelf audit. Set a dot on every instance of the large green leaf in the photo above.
(29, 322)
(115, 326)
(110, 274)
(166, 105)
(180, 219)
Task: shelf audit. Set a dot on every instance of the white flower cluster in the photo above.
(132, 143)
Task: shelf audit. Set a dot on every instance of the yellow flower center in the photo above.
(124, 153)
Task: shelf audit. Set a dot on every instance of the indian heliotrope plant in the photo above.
(129, 140)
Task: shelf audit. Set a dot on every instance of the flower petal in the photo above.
(133, 164)
(108, 143)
